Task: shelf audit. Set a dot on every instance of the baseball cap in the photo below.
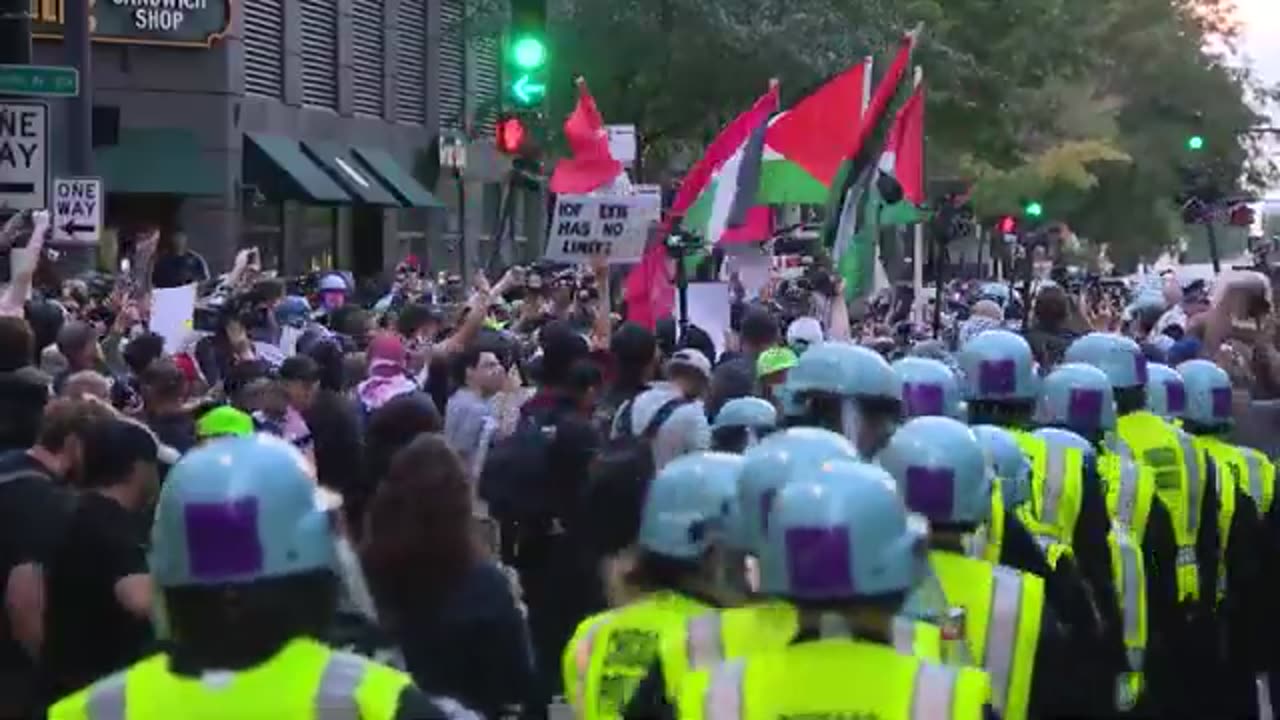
(691, 359)
(222, 421)
(775, 360)
(804, 331)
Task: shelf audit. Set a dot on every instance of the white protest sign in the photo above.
(24, 155)
(584, 226)
(173, 311)
(77, 209)
(622, 143)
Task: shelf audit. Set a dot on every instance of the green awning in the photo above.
(403, 185)
(160, 161)
(349, 173)
(278, 167)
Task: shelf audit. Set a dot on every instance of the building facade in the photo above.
(305, 128)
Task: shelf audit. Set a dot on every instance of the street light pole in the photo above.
(77, 49)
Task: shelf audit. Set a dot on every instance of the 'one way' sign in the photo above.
(77, 209)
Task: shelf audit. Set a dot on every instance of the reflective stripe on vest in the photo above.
(1054, 549)
(1129, 581)
(704, 640)
(1002, 631)
(934, 693)
(1127, 494)
(582, 661)
(1257, 486)
(1195, 483)
(1055, 478)
(724, 694)
(335, 697)
(904, 635)
(107, 700)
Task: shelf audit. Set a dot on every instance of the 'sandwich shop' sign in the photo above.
(192, 23)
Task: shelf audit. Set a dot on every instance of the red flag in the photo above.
(591, 167)
(650, 292)
(906, 147)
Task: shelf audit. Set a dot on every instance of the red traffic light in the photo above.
(510, 134)
(1007, 225)
(1242, 216)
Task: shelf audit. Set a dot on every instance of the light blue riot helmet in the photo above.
(689, 504)
(844, 370)
(1062, 438)
(1008, 462)
(840, 534)
(741, 423)
(748, 412)
(997, 366)
(996, 292)
(779, 458)
(929, 387)
(1117, 356)
(1166, 391)
(1208, 394)
(239, 510)
(941, 470)
(1077, 397)
(848, 388)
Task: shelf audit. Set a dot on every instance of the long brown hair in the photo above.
(419, 537)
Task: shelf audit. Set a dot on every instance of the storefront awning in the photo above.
(159, 161)
(410, 192)
(349, 173)
(278, 166)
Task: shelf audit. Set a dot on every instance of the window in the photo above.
(484, 83)
(319, 53)
(367, 59)
(411, 62)
(263, 48)
(318, 248)
(262, 226)
(451, 73)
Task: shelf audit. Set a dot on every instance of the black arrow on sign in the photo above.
(73, 229)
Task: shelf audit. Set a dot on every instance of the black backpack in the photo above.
(627, 441)
(516, 479)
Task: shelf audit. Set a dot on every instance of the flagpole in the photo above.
(917, 246)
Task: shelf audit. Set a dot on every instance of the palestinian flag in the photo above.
(801, 153)
(901, 165)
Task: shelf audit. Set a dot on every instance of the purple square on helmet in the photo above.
(923, 399)
(222, 539)
(1084, 409)
(1222, 403)
(998, 377)
(1140, 368)
(931, 491)
(818, 562)
(1175, 396)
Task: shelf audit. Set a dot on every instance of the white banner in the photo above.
(615, 226)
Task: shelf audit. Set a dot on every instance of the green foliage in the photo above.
(1086, 104)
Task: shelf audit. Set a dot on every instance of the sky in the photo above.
(1261, 44)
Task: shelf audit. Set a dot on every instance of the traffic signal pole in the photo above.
(77, 49)
(15, 32)
(1213, 243)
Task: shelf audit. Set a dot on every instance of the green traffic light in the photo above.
(528, 91)
(1195, 142)
(1033, 209)
(529, 53)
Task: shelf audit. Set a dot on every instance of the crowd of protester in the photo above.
(425, 407)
